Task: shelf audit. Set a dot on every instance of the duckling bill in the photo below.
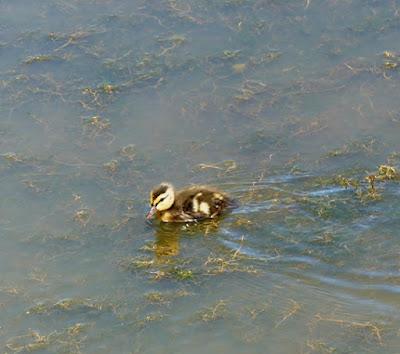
(188, 205)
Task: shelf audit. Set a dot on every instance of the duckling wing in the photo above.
(203, 203)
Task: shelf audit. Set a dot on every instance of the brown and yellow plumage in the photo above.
(188, 205)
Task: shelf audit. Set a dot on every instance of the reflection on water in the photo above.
(167, 240)
(289, 106)
(167, 235)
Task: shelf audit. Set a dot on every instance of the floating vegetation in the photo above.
(150, 318)
(390, 65)
(175, 272)
(111, 167)
(387, 173)
(384, 173)
(29, 342)
(372, 192)
(12, 157)
(222, 265)
(133, 264)
(109, 89)
(156, 298)
(174, 41)
(97, 127)
(67, 306)
(181, 273)
(347, 182)
(294, 308)
(69, 39)
(369, 146)
(239, 68)
(99, 97)
(230, 54)
(83, 216)
(128, 152)
(42, 59)
(213, 313)
(184, 13)
(68, 340)
(223, 167)
(266, 58)
(373, 329)
(164, 266)
(231, 263)
(325, 239)
(391, 60)
(34, 186)
(98, 124)
(165, 297)
(10, 290)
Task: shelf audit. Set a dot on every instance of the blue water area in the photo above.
(291, 107)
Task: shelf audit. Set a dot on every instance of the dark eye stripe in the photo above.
(161, 200)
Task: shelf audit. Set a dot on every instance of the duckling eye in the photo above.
(161, 200)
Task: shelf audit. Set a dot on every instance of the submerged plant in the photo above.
(213, 313)
(367, 188)
(181, 274)
(386, 172)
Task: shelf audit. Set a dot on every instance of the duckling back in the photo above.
(203, 202)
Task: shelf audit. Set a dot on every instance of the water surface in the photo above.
(286, 105)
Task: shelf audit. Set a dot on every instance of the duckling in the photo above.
(188, 205)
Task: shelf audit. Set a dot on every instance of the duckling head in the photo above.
(162, 198)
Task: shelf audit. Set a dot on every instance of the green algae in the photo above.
(71, 305)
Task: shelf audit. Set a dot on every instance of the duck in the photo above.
(190, 204)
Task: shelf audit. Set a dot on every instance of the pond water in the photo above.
(290, 106)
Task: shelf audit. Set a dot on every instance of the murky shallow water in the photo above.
(279, 103)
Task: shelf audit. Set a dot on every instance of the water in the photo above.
(271, 101)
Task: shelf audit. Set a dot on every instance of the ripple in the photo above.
(324, 192)
(337, 282)
(248, 251)
(376, 273)
(256, 207)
